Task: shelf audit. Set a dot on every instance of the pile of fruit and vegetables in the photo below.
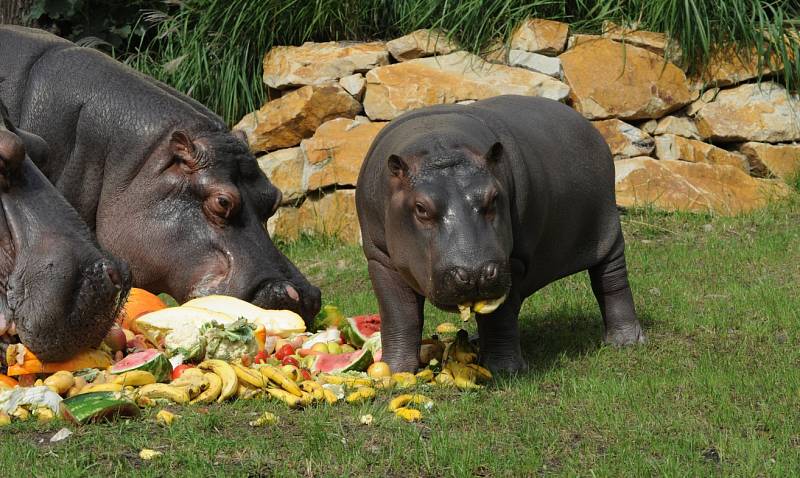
(218, 348)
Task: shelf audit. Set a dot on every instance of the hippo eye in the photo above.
(223, 202)
(420, 210)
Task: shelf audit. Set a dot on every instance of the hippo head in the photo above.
(448, 225)
(59, 293)
(190, 221)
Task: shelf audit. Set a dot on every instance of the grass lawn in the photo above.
(715, 391)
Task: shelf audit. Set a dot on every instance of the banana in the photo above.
(403, 400)
(212, 392)
(404, 379)
(424, 375)
(286, 397)
(314, 389)
(408, 414)
(482, 373)
(161, 390)
(193, 383)
(361, 395)
(464, 376)
(330, 397)
(249, 376)
(445, 379)
(166, 418)
(135, 378)
(266, 418)
(60, 382)
(277, 376)
(347, 381)
(101, 387)
(246, 393)
(44, 414)
(230, 382)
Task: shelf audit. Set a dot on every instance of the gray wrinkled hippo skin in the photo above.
(159, 178)
(501, 197)
(57, 288)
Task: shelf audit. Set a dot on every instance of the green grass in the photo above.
(212, 49)
(715, 391)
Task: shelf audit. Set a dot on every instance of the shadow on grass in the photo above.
(551, 339)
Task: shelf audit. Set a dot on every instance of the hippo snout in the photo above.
(305, 300)
(462, 284)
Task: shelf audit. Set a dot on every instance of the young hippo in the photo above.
(480, 206)
(59, 293)
(158, 178)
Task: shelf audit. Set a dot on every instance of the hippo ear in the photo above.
(494, 154)
(398, 167)
(181, 142)
(12, 154)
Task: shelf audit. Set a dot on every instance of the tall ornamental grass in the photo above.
(212, 49)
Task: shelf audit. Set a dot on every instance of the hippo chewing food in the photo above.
(58, 292)
(480, 206)
(159, 178)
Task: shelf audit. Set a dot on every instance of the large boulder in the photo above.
(395, 89)
(284, 122)
(537, 35)
(693, 187)
(679, 125)
(673, 147)
(419, 44)
(773, 160)
(763, 112)
(284, 168)
(332, 214)
(727, 66)
(320, 63)
(336, 151)
(609, 79)
(624, 140)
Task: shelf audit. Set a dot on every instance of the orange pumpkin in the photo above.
(32, 365)
(7, 381)
(139, 303)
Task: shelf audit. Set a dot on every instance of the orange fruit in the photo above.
(139, 303)
(8, 381)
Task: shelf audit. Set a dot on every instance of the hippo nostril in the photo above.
(292, 293)
(113, 274)
(490, 271)
(461, 275)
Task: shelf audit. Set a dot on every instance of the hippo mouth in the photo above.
(483, 307)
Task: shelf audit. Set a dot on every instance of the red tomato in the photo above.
(285, 351)
(261, 357)
(289, 360)
(178, 371)
(306, 374)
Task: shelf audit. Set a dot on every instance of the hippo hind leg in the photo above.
(613, 293)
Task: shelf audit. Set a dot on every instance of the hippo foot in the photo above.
(505, 364)
(622, 336)
(400, 365)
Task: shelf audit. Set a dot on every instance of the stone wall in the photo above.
(719, 142)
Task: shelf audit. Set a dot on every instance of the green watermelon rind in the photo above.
(359, 365)
(159, 366)
(94, 406)
(351, 333)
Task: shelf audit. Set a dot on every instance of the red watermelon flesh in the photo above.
(332, 363)
(150, 360)
(361, 327)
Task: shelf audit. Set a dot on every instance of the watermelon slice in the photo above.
(333, 363)
(150, 360)
(96, 406)
(358, 329)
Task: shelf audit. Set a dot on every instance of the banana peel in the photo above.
(277, 376)
(406, 399)
(135, 378)
(249, 376)
(210, 394)
(362, 394)
(161, 390)
(292, 400)
(408, 414)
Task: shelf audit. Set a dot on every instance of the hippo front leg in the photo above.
(613, 294)
(401, 318)
(498, 332)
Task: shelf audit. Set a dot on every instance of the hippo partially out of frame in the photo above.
(159, 179)
(59, 293)
(481, 206)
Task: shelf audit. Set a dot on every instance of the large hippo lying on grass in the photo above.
(158, 177)
(58, 292)
(483, 205)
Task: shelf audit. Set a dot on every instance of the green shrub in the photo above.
(212, 49)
